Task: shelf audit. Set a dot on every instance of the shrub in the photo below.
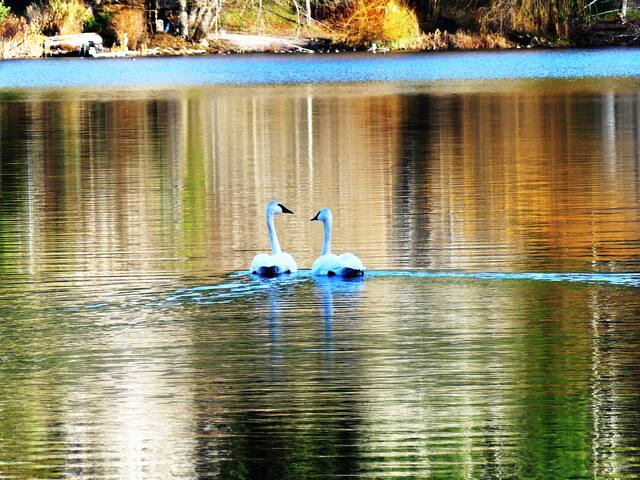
(130, 28)
(69, 16)
(400, 25)
(387, 22)
(101, 24)
(59, 16)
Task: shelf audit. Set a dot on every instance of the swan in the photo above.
(278, 262)
(346, 265)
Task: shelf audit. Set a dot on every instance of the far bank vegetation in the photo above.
(347, 24)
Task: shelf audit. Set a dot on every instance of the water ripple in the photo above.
(255, 284)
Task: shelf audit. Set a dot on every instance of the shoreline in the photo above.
(600, 35)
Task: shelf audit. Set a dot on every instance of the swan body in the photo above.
(278, 262)
(346, 265)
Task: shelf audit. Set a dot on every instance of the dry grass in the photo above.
(17, 39)
(463, 41)
(130, 28)
(386, 22)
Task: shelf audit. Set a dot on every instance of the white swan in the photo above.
(278, 262)
(345, 265)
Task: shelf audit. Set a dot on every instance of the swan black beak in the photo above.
(284, 209)
(316, 217)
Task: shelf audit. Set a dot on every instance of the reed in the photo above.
(129, 27)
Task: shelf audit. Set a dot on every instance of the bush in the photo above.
(387, 22)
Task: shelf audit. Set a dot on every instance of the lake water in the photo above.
(495, 335)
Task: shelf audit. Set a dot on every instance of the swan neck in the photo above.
(326, 241)
(273, 236)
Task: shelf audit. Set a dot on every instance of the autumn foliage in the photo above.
(386, 22)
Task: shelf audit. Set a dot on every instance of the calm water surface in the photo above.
(496, 334)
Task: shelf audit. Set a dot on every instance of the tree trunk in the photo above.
(199, 17)
(183, 18)
(308, 5)
(623, 11)
(200, 22)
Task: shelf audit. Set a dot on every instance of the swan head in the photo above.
(324, 215)
(274, 207)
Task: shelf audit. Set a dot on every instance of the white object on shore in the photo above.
(375, 49)
(278, 262)
(83, 43)
(346, 265)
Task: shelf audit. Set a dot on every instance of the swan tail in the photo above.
(270, 271)
(348, 272)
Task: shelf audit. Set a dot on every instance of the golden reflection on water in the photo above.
(110, 204)
(177, 180)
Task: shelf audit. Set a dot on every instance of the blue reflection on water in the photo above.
(252, 284)
(320, 68)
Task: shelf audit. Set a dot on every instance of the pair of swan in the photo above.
(328, 264)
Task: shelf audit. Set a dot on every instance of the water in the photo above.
(495, 334)
(320, 68)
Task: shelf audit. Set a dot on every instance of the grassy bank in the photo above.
(327, 24)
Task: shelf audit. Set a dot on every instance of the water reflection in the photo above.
(127, 350)
(616, 381)
(345, 294)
